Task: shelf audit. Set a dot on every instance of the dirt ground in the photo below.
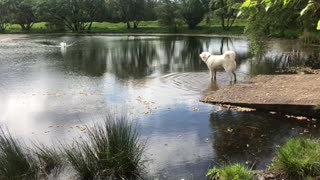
(271, 89)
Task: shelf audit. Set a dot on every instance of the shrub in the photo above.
(298, 158)
(233, 172)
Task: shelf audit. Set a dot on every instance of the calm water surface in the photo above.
(48, 93)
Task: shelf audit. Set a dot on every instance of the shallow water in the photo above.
(48, 93)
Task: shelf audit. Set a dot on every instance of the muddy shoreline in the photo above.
(293, 94)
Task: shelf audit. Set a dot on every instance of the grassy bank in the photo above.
(144, 27)
(297, 159)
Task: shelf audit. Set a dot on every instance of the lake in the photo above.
(48, 94)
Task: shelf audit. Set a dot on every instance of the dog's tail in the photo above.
(230, 55)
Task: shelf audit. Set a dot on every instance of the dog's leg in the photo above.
(230, 76)
(215, 74)
(234, 76)
(211, 75)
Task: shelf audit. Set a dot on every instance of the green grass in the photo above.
(83, 159)
(112, 151)
(144, 27)
(233, 172)
(16, 161)
(49, 159)
(298, 159)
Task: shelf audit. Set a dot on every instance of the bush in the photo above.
(112, 151)
(298, 159)
(234, 172)
(193, 12)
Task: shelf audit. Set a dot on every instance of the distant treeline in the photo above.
(268, 17)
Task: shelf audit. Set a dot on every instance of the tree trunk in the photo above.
(2, 27)
(222, 23)
(23, 28)
(208, 20)
(135, 24)
(75, 27)
(89, 27)
(228, 24)
(128, 25)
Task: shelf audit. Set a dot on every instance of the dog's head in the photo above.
(204, 55)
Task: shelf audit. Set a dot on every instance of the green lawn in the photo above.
(144, 27)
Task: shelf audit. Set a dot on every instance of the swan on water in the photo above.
(63, 44)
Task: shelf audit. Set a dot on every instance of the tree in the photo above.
(129, 10)
(76, 15)
(193, 12)
(226, 10)
(4, 14)
(23, 13)
(150, 10)
(168, 14)
(277, 18)
(137, 12)
(308, 10)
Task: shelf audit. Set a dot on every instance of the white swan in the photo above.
(63, 44)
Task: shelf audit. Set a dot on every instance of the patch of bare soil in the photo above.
(271, 89)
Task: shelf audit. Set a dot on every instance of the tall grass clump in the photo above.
(112, 151)
(83, 159)
(16, 162)
(49, 159)
(233, 172)
(298, 159)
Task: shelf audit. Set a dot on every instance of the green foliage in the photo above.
(112, 151)
(213, 174)
(4, 14)
(168, 14)
(298, 158)
(128, 10)
(23, 13)
(77, 16)
(150, 10)
(233, 172)
(262, 22)
(226, 10)
(310, 9)
(15, 160)
(193, 12)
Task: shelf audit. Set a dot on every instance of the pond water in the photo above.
(48, 93)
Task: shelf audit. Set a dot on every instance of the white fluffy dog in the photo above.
(227, 60)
